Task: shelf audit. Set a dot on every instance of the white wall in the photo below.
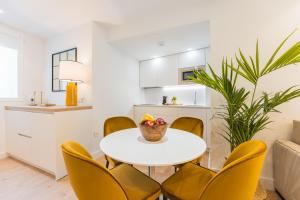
(235, 24)
(31, 69)
(80, 37)
(115, 80)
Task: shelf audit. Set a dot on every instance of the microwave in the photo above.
(186, 72)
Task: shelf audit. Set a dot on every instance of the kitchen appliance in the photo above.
(185, 72)
(165, 99)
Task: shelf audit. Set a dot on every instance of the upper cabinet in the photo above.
(163, 71)
(167, 71)
(192, 58)
(148, 73)
(159, 72)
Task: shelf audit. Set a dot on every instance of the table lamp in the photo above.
(74, 73)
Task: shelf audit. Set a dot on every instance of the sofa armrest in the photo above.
(289, 145)
(286, 159)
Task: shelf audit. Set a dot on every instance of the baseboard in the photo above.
(267, 183)
(3, 155)
(97, 154)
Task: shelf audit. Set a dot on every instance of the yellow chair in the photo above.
(189, 124)
(192, 125)
(237, 180)
(114, 124)
(92, 181)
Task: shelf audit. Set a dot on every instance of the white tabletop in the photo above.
(176, 147)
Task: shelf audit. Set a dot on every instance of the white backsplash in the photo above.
(185, 95)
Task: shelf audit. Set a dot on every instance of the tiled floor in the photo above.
(19, 181)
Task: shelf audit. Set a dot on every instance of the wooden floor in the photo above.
(19, 181)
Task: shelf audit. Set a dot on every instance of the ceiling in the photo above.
(50, 17)
(166, 42)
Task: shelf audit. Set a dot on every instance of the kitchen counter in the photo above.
(174, 106)
(47, 109)
(34, 134)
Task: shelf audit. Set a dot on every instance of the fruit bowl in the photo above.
(153, 129)
(153, 133)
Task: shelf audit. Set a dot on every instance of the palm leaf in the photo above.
(244, 118)
(269, 67)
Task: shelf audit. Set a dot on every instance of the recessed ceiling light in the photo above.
(1, 11)
(157, 60)
(189, 49)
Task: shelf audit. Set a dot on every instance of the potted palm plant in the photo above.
(245, 112)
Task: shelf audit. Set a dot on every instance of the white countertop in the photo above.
(174, 106)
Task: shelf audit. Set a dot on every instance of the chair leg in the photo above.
(175, 169)
(165, 198)
(107, 164)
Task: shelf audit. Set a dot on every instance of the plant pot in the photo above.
(153, 133)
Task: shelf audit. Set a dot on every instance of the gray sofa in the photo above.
(286, 158)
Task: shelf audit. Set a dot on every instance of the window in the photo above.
(8, 68)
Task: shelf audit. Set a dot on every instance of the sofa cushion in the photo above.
(286, 159)
(296, 132)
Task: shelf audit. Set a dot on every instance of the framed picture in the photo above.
(71, 55)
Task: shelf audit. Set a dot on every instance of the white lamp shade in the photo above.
(72, 71)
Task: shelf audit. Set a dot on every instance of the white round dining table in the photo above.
(176, 147)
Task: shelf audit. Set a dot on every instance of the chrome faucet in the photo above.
(195, 98)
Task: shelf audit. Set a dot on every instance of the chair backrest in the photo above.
(114, 124)
(88, 178)
(239, 177)
(189, 124)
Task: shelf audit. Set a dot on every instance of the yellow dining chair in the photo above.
(237, 180)
(92, 181)
(192, 125)
(114, 124)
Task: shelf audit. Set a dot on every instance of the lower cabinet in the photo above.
(36, 138)
(29, 138)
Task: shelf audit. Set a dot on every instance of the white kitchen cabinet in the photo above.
(148, 72)
(167, 73)
(160, 72)
(192, 58)
(35, 135)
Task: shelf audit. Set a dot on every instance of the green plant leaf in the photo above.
(268, 67)
(244, 116)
